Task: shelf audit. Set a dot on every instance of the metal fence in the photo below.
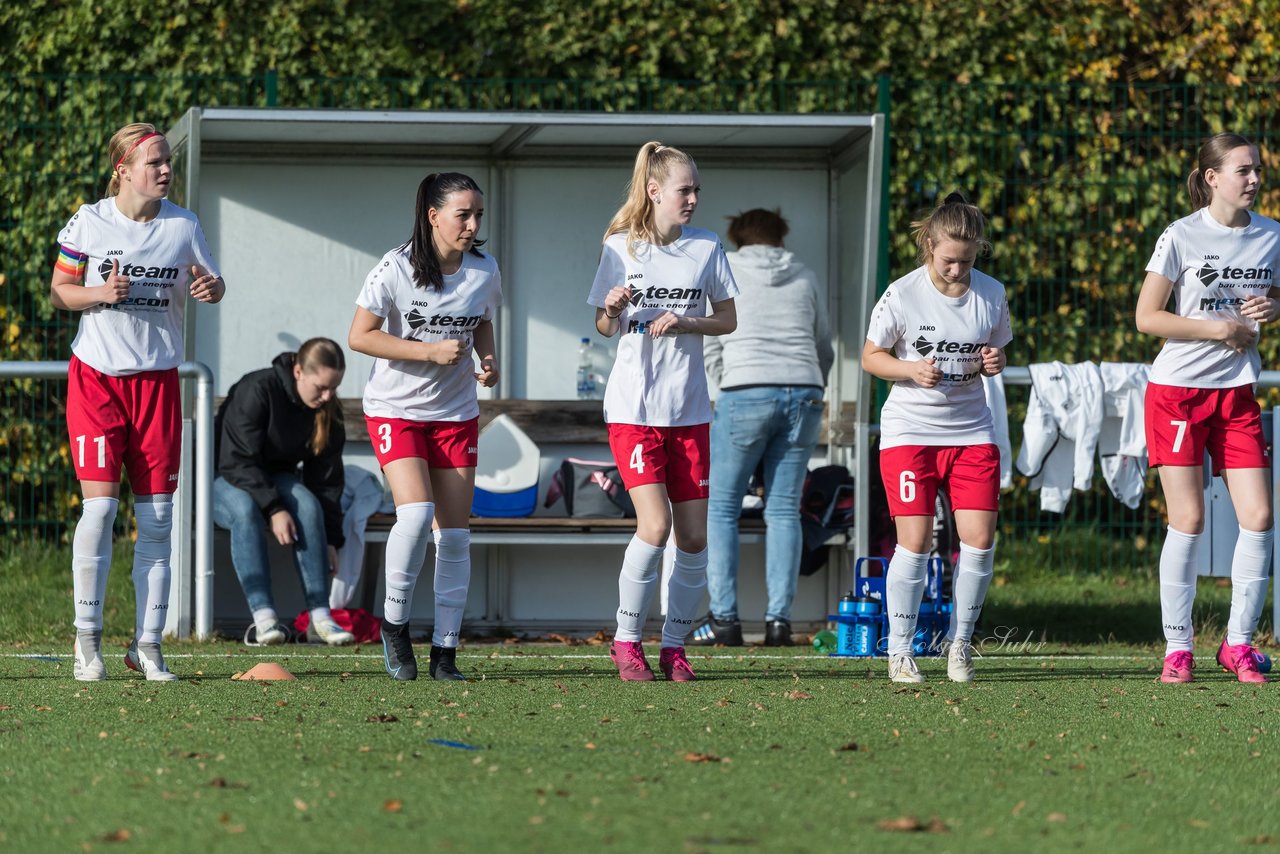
(1077, 181)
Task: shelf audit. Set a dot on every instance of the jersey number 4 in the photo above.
(637, 459)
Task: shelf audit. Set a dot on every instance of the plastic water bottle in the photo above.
(866, 634)
(844, 629)
(824, 642)
(586, 374)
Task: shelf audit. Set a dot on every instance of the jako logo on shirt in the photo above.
(1241, 275)
(139, 271)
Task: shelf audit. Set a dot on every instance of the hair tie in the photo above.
(129, 150)
(956, 198)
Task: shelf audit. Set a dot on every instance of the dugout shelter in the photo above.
(298, 206)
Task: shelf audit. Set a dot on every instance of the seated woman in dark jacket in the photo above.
(279, 460)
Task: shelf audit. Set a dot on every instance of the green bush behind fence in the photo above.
(1078, 180)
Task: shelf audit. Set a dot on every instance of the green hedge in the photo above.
(1072, 127)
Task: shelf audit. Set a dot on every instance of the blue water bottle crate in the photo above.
(862, 621)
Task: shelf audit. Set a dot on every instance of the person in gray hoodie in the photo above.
(771, 372)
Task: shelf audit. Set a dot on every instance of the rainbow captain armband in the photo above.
(70, 262)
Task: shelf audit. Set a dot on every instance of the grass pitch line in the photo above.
(316, 652)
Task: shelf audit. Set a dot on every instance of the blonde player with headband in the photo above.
(1219, 264)
(656, 279)
(127, 263)
(936, 430)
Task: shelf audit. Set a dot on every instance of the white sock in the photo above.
(91, 560)
(1248, 584)
(904, 587)
(264, 619)
(684, 595)
(453, 577)
(154, 517)
(969, 591)
(321, 615)
(407, 543)
(636, 583)
(1177, 589)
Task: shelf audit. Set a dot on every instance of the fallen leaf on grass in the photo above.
(221, 783)
(703, 757)
(383, 718)
(1018, 807)
(1198, 822)
(300, 805)
(1056, 817)
(851, 746)
(911, 824)
(42, 708)
(121, 835)
(798, 695)
(560, 687)
(393, 805)
(245, 718)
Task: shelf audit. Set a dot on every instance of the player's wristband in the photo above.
(612, 316)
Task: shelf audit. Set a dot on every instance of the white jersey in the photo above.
(915, 321)
(143, 332)
(1214, 269)
(661, 382)
(425, 391)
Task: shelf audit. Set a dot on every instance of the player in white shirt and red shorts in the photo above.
(1219, 265)
(127, 263)
(426, 312)
(934, 334)
(656, 279)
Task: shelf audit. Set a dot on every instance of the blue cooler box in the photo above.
(507, 471)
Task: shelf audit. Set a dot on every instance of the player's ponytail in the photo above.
(433, 192)
(654, 163)
(121, 149)
(954, 219)
(322, 353)
(1213, 153)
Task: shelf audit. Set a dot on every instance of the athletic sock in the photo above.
(407, 543)
(636, 583)
(151, 572)
(684, 595)
(1249, 580)
(453, 577)
(904, 587)
(1177, 589)
(973, 577)
(91, 561)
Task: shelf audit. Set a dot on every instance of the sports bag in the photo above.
(590, 488)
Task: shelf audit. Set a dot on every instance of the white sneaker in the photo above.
(960, 662)
(330, 632)
(270, 636)
(902, 668)
(146, 659)
(87, 652)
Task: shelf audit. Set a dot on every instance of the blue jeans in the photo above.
(236, 511)
(777, 425)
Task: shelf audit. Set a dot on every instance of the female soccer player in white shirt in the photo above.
(126, 263)
(656, 278)
(1219, 264)
(934, 334)
(423, 312)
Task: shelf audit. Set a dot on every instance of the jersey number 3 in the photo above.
(384, 434)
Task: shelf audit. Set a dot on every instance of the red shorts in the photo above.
(443, 444)
(678, 457)
(134, 421)
(1183, 423)
(913, 473)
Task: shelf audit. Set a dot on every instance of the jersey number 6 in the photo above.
(907, 487)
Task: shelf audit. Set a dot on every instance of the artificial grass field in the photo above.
(1062, 743)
